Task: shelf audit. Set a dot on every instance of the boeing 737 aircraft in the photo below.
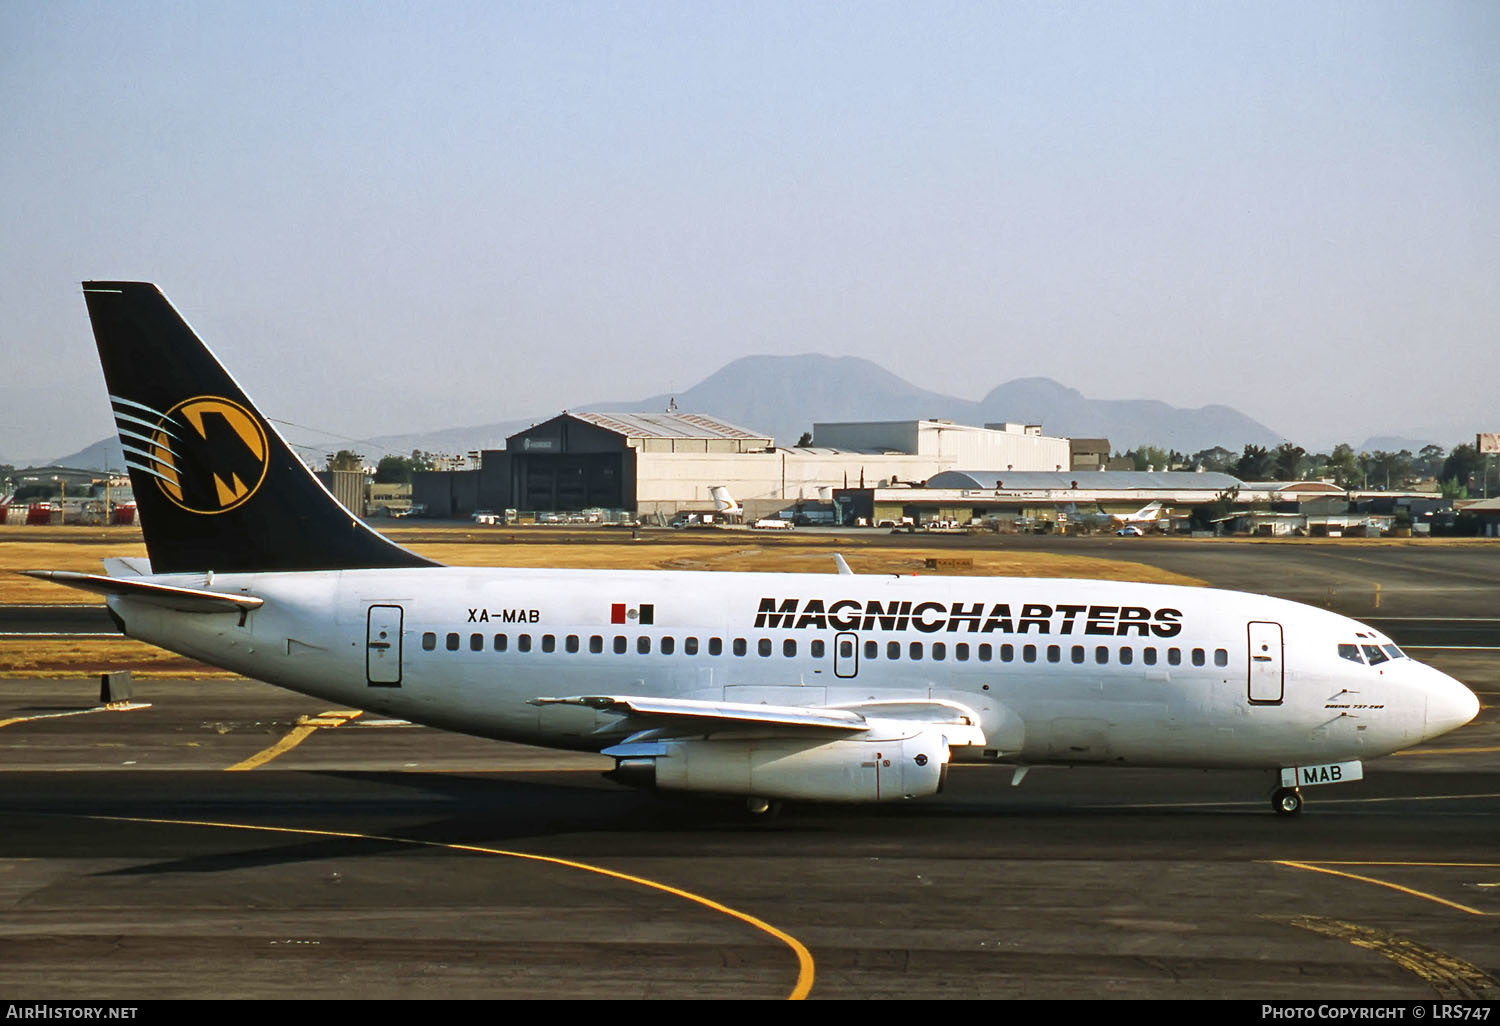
(836, 687)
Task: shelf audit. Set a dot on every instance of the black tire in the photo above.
(1287, 801)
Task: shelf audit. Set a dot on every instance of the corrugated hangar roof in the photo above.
(669, 425)
(1088, 480)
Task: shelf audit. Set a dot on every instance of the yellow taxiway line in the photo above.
(804, 957)
(306, 727)
(111, 707)
(1318, 868)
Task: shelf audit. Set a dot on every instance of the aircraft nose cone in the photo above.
(1449, 705)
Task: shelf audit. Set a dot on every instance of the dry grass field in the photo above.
(83, 548)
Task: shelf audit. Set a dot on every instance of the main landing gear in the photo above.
(1287, 801)
(762, 810)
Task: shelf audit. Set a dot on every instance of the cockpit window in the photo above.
(1394, 652)
(1351, 653)
(1374, 654)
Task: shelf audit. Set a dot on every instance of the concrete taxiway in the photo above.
(229, 839)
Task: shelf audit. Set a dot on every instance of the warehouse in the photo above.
(657, 464)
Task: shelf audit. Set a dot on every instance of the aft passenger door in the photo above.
(383, 647)
(1266, 677)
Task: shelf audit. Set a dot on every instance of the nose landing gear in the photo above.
(1286, 801)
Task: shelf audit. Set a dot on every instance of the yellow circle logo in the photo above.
(210, 454)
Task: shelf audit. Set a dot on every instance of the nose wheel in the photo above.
(1287, 801)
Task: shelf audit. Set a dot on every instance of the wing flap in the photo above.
(727, 714)
(959, 724)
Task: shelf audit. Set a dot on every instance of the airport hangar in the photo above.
(657, 464)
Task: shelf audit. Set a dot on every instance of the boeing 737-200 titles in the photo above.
(839, 687)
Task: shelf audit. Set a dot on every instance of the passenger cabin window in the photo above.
(1127, 655)
(1148, 656)
(523, 642)
(1198, 657)
(961, 651)
(1101, 655)
(476, 642)
(914, 650)
(763, 646)
(715, 646)
(549, 643)
(872, 649)
(817, 649)
(429, 641)
(939, 650)
(1007, 653)
(572, 643)
(739, 646)
(1029, 653)
(1054, 653)
(893, 650)
(689, 646)
(1174, 656)
(985, 652)
(500, 642)
(668, 646)
(620, 644)
(1077, 653)
(452, 642)
(596, 644)
(789, 648)
(1221, 657)
(643, 644)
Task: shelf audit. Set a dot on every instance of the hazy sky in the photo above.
(408, 216)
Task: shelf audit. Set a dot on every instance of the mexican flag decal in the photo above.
(644, 614)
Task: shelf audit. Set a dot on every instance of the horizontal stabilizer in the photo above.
(183, 600)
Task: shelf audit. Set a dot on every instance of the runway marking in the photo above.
(804, 957)
(1315, 868)
(1451, 977)
(111, 707)
(306, 727)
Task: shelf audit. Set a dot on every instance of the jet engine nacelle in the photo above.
(911, 762)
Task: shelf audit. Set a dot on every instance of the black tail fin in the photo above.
(216, 487)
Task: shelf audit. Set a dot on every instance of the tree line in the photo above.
(1459, 472)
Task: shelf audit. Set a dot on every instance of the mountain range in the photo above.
(784, 395)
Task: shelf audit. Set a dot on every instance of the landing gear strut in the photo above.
(1287, 801)
(762, 810)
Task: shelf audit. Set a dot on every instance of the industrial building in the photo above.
(659, 464)
(970, 495)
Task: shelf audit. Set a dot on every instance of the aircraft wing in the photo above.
(183, 600)
(663, 714)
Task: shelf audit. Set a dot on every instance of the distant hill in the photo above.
(785, 395)
(1127, 423)
(1389, 443)
(105, 454)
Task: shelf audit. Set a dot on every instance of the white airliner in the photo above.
(1147, 514)
(836, 687)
